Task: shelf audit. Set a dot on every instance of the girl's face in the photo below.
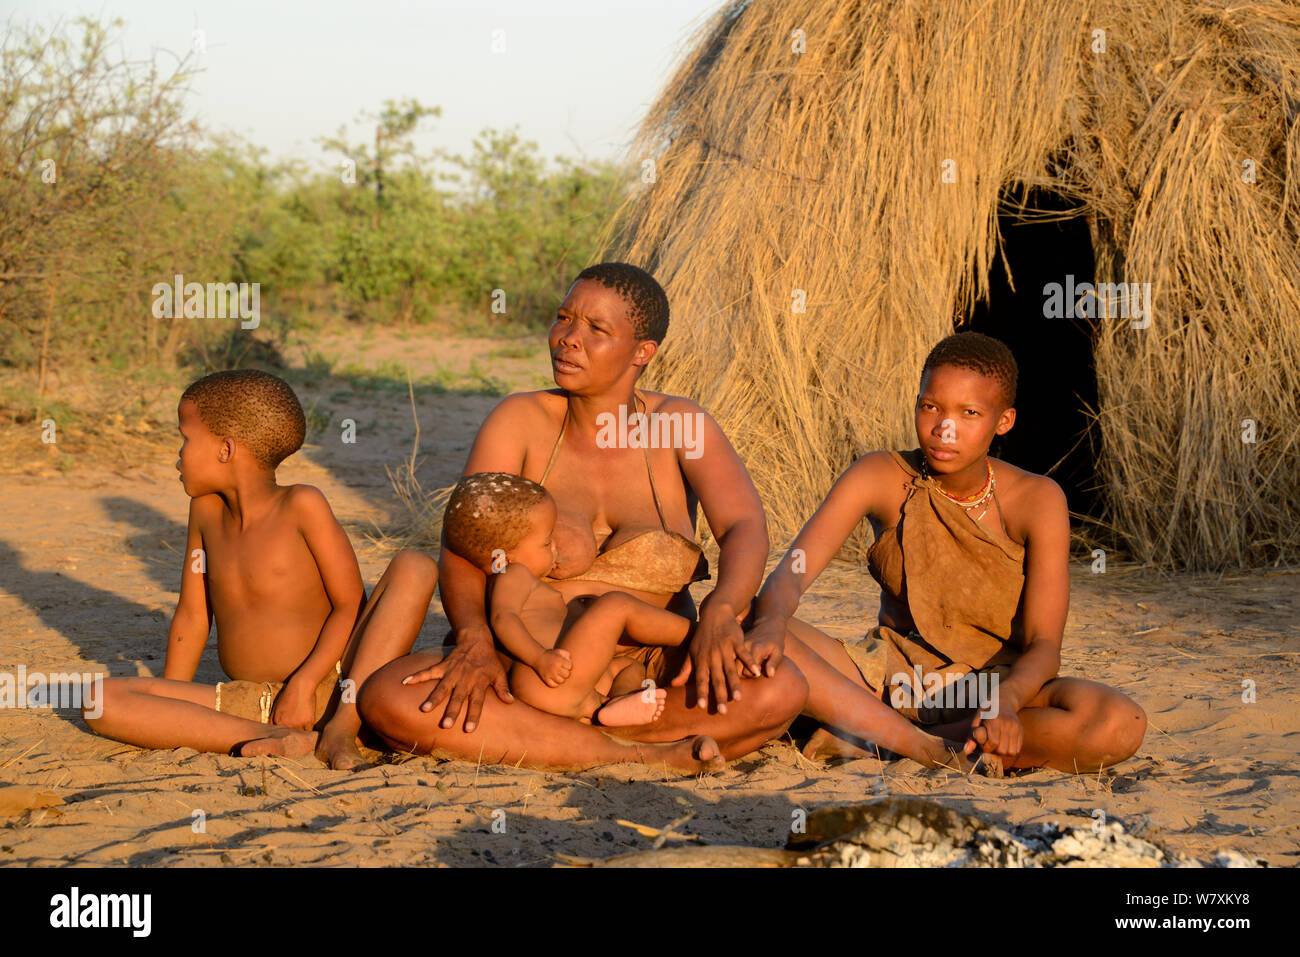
(958, 412)
(593, 344)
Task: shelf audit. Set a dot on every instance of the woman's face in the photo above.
(593, 344)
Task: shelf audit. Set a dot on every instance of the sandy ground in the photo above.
(89, 566)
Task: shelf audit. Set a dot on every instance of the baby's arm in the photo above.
(341, 577)
(510, 593)
(193, 618)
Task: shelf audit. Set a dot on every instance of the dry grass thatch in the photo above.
(822, 170)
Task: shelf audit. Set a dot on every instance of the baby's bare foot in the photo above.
(337, 748)
(639, 707)
(285, 742)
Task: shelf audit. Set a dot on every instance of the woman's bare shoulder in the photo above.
(527, 409)
(667, 404)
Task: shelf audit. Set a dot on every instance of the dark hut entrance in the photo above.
(1057, 380)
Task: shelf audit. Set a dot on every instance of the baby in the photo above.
(566, 659)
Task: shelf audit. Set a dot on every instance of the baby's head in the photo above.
(241, 410)
(494, 518)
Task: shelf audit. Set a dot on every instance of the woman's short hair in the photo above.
(647, 303)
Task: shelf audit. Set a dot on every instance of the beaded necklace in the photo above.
(983, 497)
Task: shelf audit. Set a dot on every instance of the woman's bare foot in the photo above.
(697, 755)
(284, 742)
(337, 749)
(639, 707)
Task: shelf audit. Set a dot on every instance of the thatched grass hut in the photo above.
(864, 162)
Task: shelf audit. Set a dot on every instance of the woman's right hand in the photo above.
(464, 677)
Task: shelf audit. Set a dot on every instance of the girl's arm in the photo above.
(1046, 598)
(1045, 603)
(855, 495)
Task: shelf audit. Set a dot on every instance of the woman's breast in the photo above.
(575, 548)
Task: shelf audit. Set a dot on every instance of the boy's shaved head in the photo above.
(256, 408)
(647, 303)
(490, 510)
(979, 353)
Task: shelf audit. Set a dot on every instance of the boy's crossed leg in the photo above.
(161, 713)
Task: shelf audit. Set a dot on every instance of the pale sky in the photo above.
(576, 76)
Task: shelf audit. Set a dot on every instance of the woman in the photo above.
(972, 556)
(626, 519)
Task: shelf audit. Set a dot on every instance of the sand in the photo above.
(89, 567)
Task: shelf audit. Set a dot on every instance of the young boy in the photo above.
(270, 563)
(972, 558)
(566, 660)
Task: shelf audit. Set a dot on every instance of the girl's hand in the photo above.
(1003, 736)
(766, 645)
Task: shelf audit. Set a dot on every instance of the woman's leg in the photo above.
(386, 630)
(839, 698)
(510, 733)
(518, 732)
(766, 708)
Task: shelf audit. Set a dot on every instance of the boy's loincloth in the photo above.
(253, 699)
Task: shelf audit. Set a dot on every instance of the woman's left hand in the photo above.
(717, 645)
